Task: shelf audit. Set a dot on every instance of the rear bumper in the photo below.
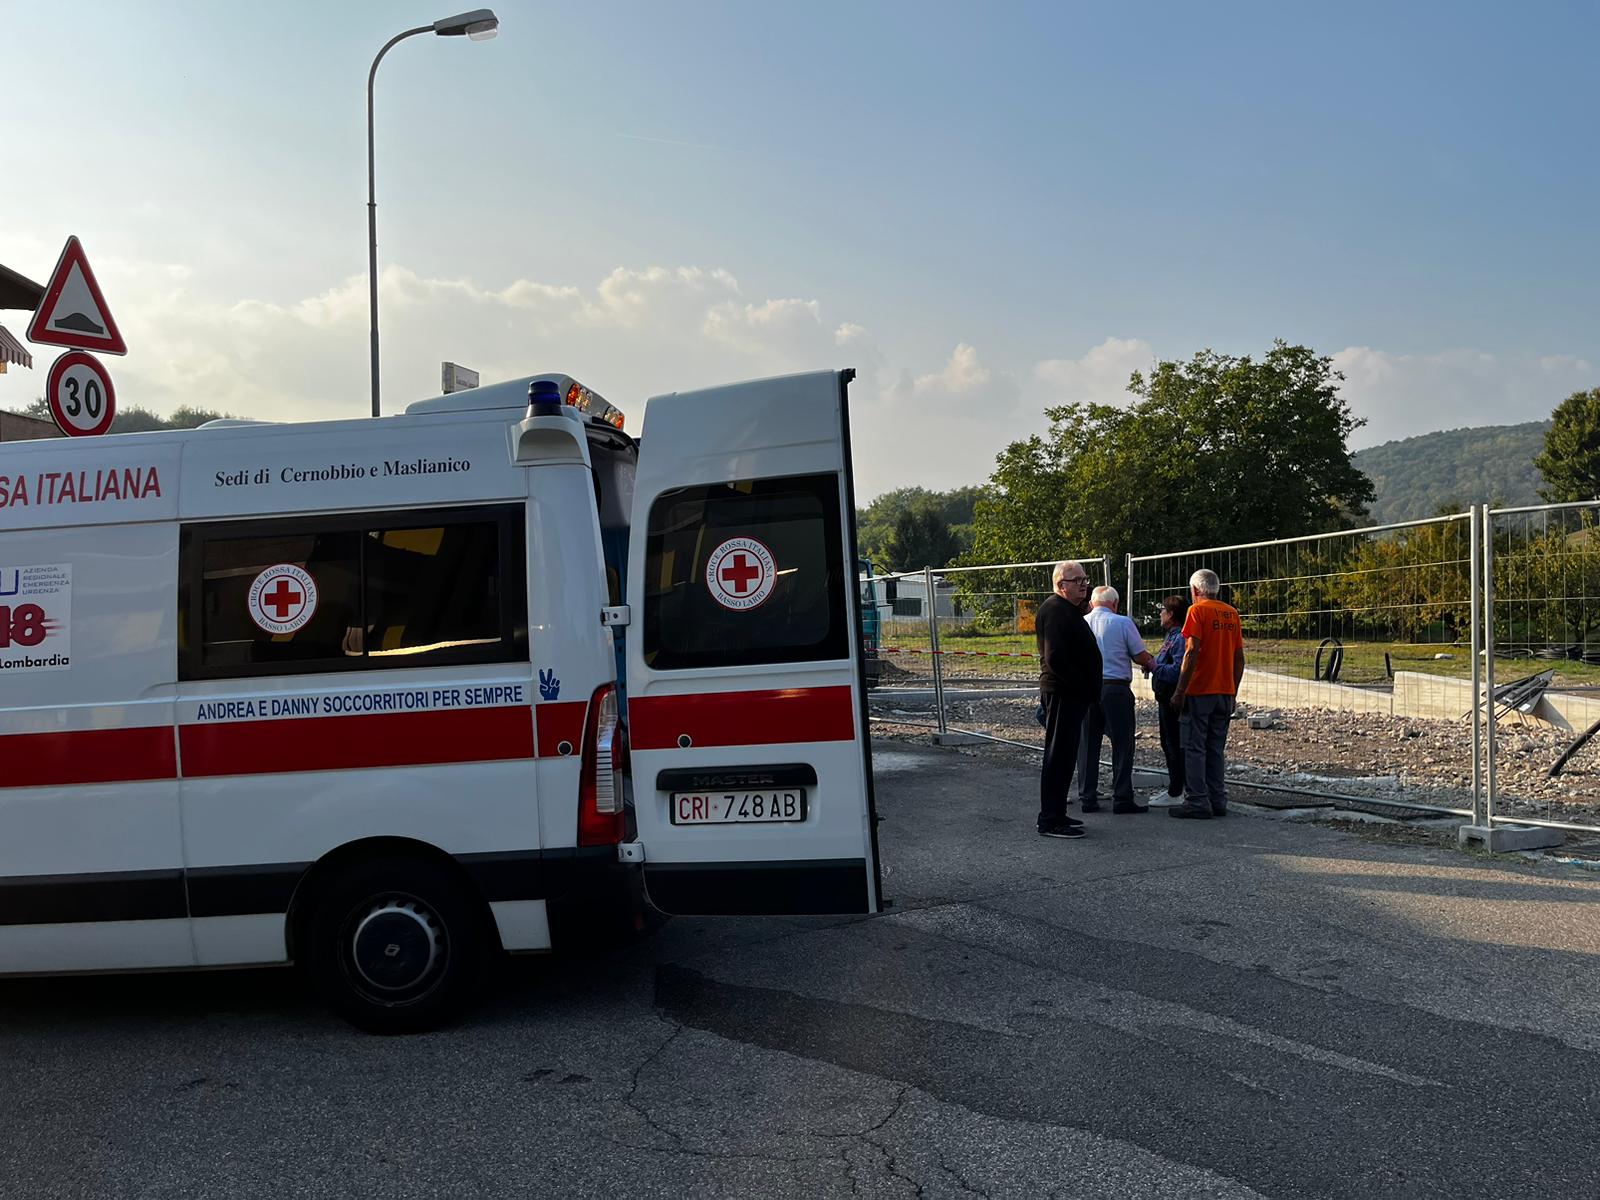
(588, 893)
(593, 899)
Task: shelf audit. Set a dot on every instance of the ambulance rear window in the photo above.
(346, 592)
(745, 572)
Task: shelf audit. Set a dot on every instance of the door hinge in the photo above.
(614, 615)
(630, 852)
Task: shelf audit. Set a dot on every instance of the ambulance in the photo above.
(387, 697)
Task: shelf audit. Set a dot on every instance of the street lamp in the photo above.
(479, 25)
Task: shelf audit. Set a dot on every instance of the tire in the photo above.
(398, 945)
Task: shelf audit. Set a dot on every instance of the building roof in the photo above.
(19, 427)
(13, 351)
(18, 291)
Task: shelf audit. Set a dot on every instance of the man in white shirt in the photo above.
(1120, 648)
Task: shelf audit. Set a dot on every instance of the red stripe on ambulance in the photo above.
(87, 756)
(559, 723)
(407, 739)
(763, 718)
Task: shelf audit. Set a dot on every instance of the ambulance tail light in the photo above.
(600, 818)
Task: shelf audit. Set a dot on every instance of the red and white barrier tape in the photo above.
(963, 653)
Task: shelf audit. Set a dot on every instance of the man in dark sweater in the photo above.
(1069, 682)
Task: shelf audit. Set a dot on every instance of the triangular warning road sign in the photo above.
(73, 312)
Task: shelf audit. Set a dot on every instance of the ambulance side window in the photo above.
(229, 569)
(774, 548)
(356, 591)
(430, 588)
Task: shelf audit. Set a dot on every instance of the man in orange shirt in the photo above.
(1213, 665)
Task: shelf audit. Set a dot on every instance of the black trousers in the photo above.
(1063, 724)
(1171, 741)
(1114, 715)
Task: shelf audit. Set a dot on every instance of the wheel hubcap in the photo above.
(396, 946)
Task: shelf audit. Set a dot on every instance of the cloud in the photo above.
(950, 390)
(1100, 376)
(961, 376)
(936, 428)
(632, 334)
(751, 328)
(1402, 395)
(638, 331)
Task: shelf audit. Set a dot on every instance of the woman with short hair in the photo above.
(1163, 679)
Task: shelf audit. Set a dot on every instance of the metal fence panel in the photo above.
(1358, 647)
(1372, 654)
(966, 659)
(1542, 642)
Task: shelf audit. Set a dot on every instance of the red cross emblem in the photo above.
(282, 598)
(740, 574)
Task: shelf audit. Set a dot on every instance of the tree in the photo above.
(1411, 584)
(142, 420)
(920, 537)
(1570, 462)
(139, 420)
(1216, 450)
(875, 523)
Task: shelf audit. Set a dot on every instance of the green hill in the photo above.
(1417, 476)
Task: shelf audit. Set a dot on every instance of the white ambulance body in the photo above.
(347, 693)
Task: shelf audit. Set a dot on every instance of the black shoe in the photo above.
(1184, 813)
(1060, 829)
(1070, 822)
(1129, 806)
(1219, 813)
(1089, 806)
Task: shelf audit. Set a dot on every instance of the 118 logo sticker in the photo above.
(35, 617)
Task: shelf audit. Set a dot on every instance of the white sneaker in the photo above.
(1160, 799)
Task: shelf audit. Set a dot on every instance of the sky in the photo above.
(986, 209)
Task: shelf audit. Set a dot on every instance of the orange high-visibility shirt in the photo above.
(1215, 627)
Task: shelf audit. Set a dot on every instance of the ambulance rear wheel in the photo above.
(398, 946)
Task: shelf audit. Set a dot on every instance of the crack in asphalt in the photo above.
(962, 1181)
(891, 1164)
(861, 1136)
(633, 1090)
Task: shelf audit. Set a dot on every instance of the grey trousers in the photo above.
(1204, 731)
(1114, 716)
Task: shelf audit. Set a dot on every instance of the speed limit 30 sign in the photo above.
(82, 400)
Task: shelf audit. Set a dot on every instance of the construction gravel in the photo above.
(1360, 754)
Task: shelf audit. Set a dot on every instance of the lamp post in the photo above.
(479, 25)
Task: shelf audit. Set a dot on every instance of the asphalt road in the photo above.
(1248, 1007)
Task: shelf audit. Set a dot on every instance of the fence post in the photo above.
(1488, 663)
(1475, 587)
(933, 646)
(1105, 570)
(1127, 600)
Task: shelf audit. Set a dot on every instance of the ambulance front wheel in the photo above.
(398, 946)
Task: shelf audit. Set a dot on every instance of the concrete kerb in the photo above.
(1311, 809)
(1503, 839)
(955, 737)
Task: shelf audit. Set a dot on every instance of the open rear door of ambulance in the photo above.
(747, 718)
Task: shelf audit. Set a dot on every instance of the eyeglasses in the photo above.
(1075, 579)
